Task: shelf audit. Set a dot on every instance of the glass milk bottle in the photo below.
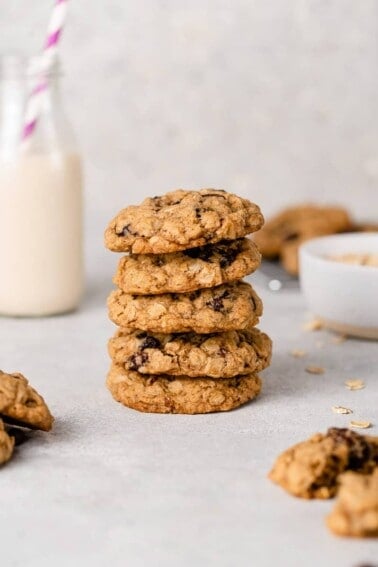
(41, 256)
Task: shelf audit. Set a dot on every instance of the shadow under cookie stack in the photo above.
(187, 341)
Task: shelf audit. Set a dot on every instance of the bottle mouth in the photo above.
(19, 66)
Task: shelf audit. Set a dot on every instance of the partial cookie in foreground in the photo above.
(182, 219)
(216, 355)
(310, 469)
(224, 308)
(6, 445)
(208, 266)
(21, 404)
(356, 510)
(167, 394)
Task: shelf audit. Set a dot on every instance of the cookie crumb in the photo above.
(313, 325)
(360, 424)
(339, 339)
(314, 369)
(341, 409)
(356, 384)
(298, 353)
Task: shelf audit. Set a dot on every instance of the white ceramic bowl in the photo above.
(343, 296)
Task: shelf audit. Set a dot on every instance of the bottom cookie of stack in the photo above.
(179, 394)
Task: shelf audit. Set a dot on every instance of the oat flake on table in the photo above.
(314, 369)
(313, 325)
(341, 409)
(360, 424)
(298, 353)
(355, 384)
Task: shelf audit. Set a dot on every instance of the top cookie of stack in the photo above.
(187, 252)
(180, 220)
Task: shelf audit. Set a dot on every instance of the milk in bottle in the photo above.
(41, 259)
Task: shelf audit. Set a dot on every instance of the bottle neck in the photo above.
(18, 79)
(23, 74)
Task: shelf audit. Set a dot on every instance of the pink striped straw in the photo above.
(48, 56)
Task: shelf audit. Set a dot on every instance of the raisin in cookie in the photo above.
(356, 510)
(21, 404)
(284, 233)
(217, 355)
(224, 308)
(182, 219)
(6, 445)
(180, 394)
(310, 469)
(196, 268)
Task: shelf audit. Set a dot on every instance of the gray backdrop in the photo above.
(273, 99)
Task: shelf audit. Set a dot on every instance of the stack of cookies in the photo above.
(187, 341)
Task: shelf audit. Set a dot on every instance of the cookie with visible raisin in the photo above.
(227, 307)
(180, 394)
(180, 220)
(208, 266)
(311, 469)
(216, 355)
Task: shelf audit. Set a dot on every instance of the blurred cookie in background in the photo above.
(365, 227)
(283, 234)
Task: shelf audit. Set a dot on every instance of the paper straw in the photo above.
(54, 32)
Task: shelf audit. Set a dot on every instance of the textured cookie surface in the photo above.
(217, 355)
(6, 445)
(167, 394)
(182, 219)
(284, 233)
(188, 270)
(225, 308)
(21, 404)
(310, 469)
(356, 510)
